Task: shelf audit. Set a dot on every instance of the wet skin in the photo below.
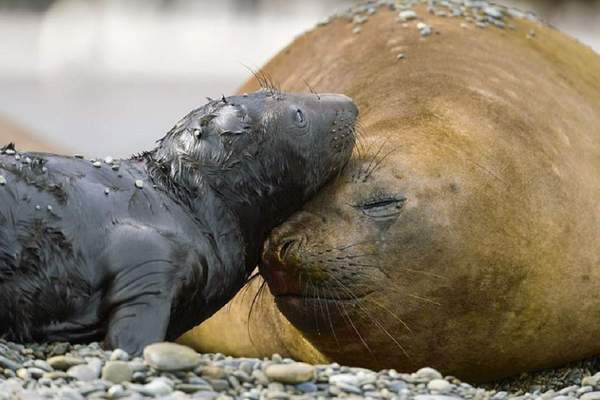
(88, 253)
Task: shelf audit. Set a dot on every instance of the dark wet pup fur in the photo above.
(141, 250)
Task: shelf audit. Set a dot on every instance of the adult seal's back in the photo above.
(121, 250)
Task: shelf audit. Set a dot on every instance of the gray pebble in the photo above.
(424, 29)
(407, 15)
(171, 356)
(119, 355)
(116, 391)
(158, 387)
(439, 385)
(590, 396)
(9, 364)
(206, 394)
(116, 372)
(427, 374)
(307, 387)
(349, 379)
(192, 388)
(493, 12)
(83, 373)
(290, 373)
(63, 363)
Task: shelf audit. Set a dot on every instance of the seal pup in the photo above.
(127, 251)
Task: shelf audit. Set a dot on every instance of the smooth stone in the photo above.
(171, 357)
(116, 372)
(219, 384)
(192, 388)
(348, 379)
(396, 386)
(590, 396)
(67, 393)
(407, 15)
(290, 373)
(213, 372)
(349, 388)
(63, 363)
(119, 355)
(158, 387)
(41, 364)
(440, 385)
(83, 373)
(434, 397)
(493, 12)
(428, 374)
(591, 380)
(23, 374)
(205, 394)
(9, 364)
(307, 387)
(56, 375)
(277, 395)
(116, 391)
(36, 373)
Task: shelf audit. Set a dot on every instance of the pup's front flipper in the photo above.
(141, 291)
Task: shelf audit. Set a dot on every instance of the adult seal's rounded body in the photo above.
(125, 250)
(465, 235)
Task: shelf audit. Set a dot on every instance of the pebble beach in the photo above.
(170, 371)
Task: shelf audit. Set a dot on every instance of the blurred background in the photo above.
(109, 77)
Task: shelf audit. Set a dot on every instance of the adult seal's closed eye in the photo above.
(123, 250)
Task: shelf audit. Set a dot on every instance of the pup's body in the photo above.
(122, 251)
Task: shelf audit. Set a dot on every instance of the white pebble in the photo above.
(407, 15)
(108, 160)
(428, 373)
(139, 184)
(439, 385)
(97, 164)
(2, 180)
(424, 29)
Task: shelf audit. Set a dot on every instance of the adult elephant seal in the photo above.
(465, 235)
(121, 252)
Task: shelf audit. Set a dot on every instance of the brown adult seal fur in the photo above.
(468, 229)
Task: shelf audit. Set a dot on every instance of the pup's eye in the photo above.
(382, 208)
(300, 119)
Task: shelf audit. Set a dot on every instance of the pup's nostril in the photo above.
(285, 248)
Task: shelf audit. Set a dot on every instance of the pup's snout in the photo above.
(340, 102)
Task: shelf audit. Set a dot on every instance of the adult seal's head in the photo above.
(465, 234)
